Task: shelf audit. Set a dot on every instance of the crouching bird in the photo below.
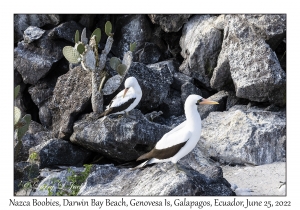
(126, 100)
(180, 141)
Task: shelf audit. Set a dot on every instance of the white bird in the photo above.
(126, 100)
(180, 141)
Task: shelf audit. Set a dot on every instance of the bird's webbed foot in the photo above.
(129, 116)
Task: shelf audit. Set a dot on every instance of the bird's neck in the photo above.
(193, 118)
(137, 89)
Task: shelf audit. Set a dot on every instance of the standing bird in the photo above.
(125, 100)
(180, 141)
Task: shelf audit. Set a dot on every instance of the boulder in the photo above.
(148, 54)
(232, 100)
(56, 152)
(71, 95)
(172, 105)
(242, 135)
(34, 60)
(155, 81)
(201, 44)
(35, 135)
(264, 180)
(168, 22)
(130, 29)
(220, 97)
(179, 80)
(32, 33)
(271, 27)
(158, 180)
(24, 172)
(187, 89)
(23, 21)
(58, 182)
(66, 31)
(249, 62)
(121, 139)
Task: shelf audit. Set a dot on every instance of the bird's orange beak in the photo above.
(207, 101)
(125, 91)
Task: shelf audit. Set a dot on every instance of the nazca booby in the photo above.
(126, 100)
(180, 141)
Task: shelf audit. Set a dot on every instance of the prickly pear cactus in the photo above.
(132, 46)
(71, 54)
(84, 40)
(16, 91)
(121, 69)
(114, 62)
(108, 28)
(97, 33)
(25, 121)
(80, 48)
(76, 37)
(17, 115)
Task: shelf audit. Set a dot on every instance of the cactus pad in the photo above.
(121, 69)
(114, 62)
(132, 46)
(80, 48)
(76, 37)
(17, 115)
(84, 40)
(22, 130)
(16, 92)
(97, 33)
(71, 54)
(108, 28)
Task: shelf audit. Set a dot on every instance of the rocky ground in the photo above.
(236, 60)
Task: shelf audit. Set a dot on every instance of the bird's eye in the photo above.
(200, 100)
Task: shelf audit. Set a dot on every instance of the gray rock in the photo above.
(232, 100)
(271, 27)
(169, 23)
(32, 33)
(71, 95)
(155, 81)
(23, 21)
(87, 20)
(59, 152)
(148, 54)
(112, 84)
(121, 139)
(220, 97)
(264, 180)
(180, 79)
(151, 116)
(187, 89)
(250, 63)
(129, 29)
(241, 136)
(58, 182)
(66, 31)
(201, 44)
(45, 115)
(160, 179)
(33, 139)
(34, 60)
(41, 92)
(41, 95)
(25, 171)
(172, 105)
